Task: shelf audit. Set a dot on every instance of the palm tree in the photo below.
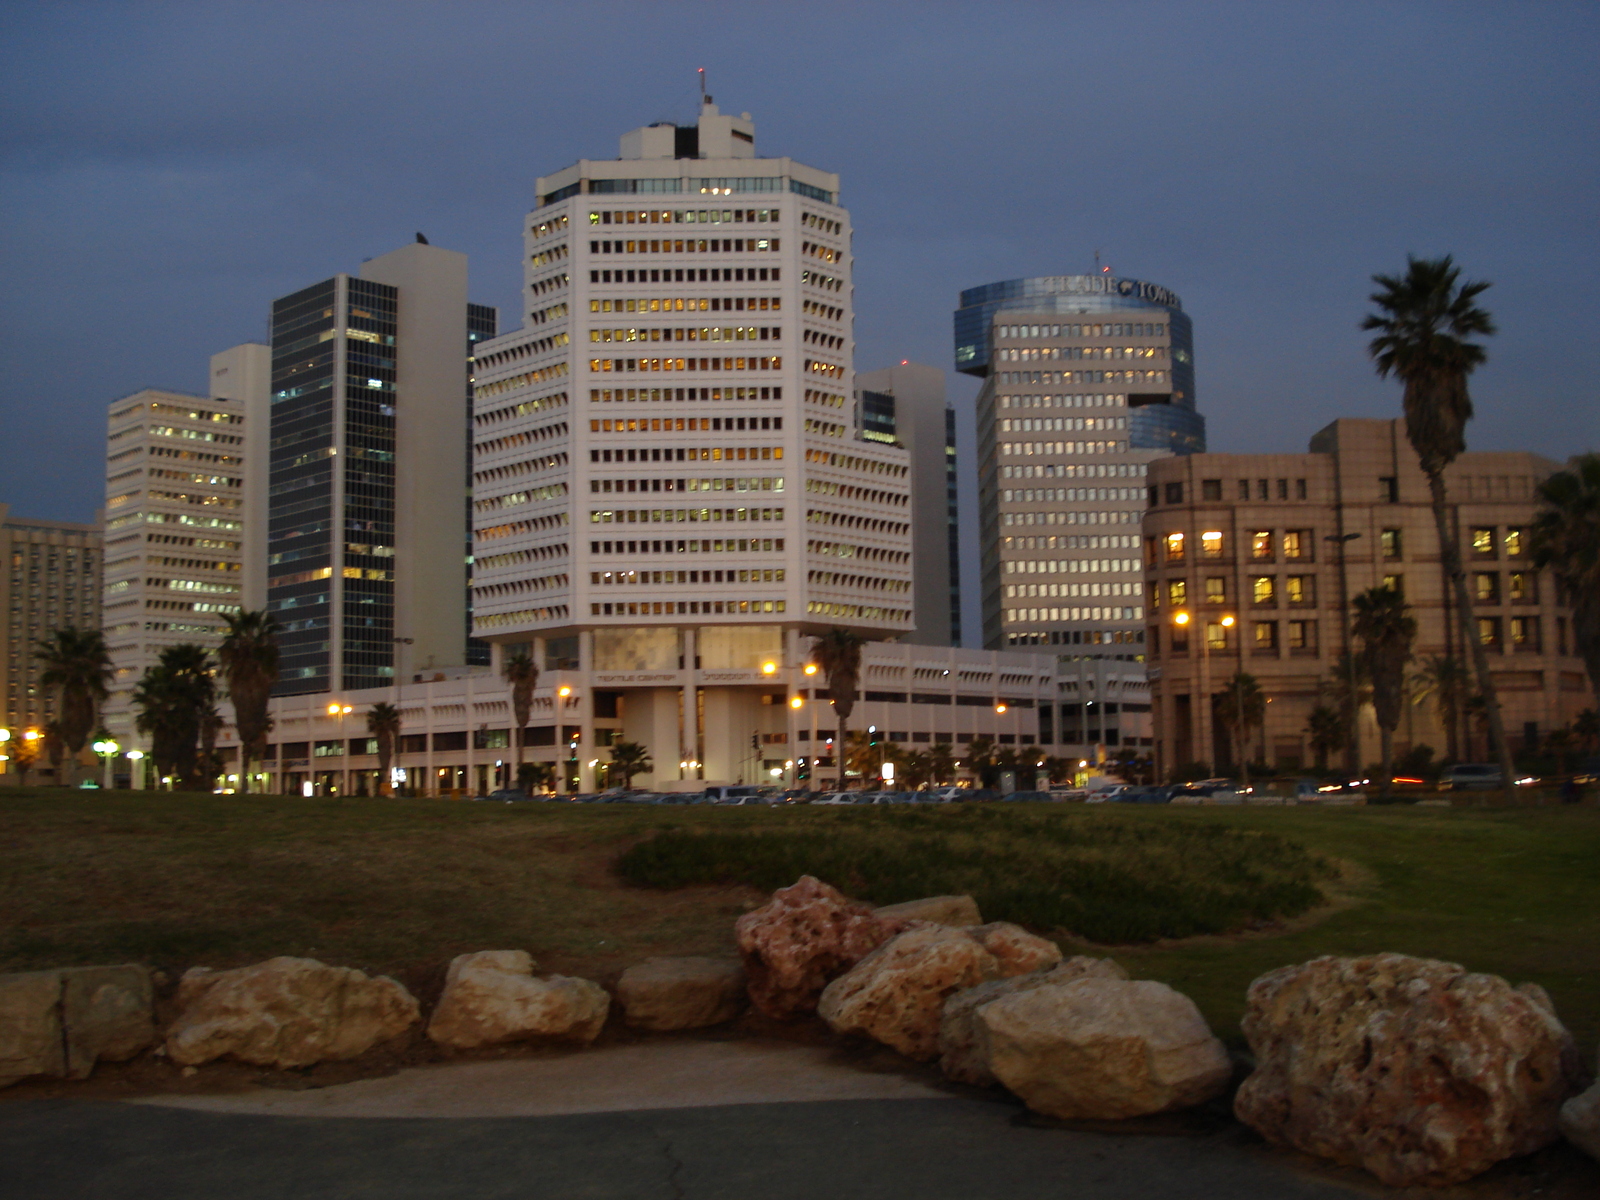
(1423, 325)
(249, 657)
(1446, 681)
(1241, 708)
(55, 748)
(629, 759)
(1383, 623)
(536, 775)
(941, 763)
(522, 673)
(1058, 769)
(838, 654)
(173, 698)
(76, 661)
(23, 749)
(1326, 727)
(980, 760)
(383, 723)
(1566, 538)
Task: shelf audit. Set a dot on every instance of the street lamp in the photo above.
(107, 750)
(342, 711)
(1205, 735)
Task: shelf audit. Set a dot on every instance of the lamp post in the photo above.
(136, 769)
(1204, 733)
(1352, 710)
(107, 750)
(342, 711)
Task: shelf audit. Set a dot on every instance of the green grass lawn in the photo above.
(401, 886)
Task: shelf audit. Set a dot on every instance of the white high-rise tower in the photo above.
(669, 486)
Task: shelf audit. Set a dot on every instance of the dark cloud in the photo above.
(166, 169)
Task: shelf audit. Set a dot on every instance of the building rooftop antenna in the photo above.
(704, 99)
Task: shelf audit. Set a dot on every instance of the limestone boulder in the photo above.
(1580, 1120)
(492, 996)
(30, 1026)
(962, 1056)
(664, 994)
(807, 935)
(286, 1012)
(896, 993)
(1102, 1048)
(936, 910)
(1016, 951)
(1419, 1071)
(107, 1013)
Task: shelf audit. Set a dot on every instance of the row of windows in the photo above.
(1050, 378)
(684, 216)
(689, 304)
(1069, 566)
(1299, 636)
(690, 333)
(1062, 495)
(655, 516)
(817, 279)
(621, 395)
(1095, 613)
(1115, 329)
(827, 312)
(767, 483)
(1297, 544)
(863, 612)
(550, 491)
(826, 224)
(1060, 424)
(1521, 587)
(1073, 541)
(831, 399)
(686, 246)
(813, 250)
(671, 425)
(553, 254)
(625, 578)
(690, 454)
(484, 391)
(1068, 591)
(690, 546)
(686, 275)
(553, 225)
(1093, 400)
(601, 365)
(1086, 353)
(1028, 449)
(1264, 591)
(851, 462)
(1071, 471)
(660, 608)
(1070, 518)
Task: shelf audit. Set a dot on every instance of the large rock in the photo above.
(895, 994)
(803, 938)
(107, 1013)
(492, 996)
(62, 1022)
(1580, 1120)
(30, 1026)
(1099, 1048)
(664, 994)
(1016, 951)
(1417, 1070)
(936, 910)
(962, 1055)
(286, 1012)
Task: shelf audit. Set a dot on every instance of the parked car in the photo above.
(834, 798)
(1026, 798)
(1471, 777)
(1106, 795)
(724, 793)
(1146, 795)
(506, 796)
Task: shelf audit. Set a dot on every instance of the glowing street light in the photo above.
(797, 702)
(999, 708)
(769, 668)
(811, 668)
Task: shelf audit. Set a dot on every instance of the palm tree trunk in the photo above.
(1450, 554)
(1386, 753)
(840, 752)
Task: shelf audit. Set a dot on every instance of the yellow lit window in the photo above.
(1177, 593)
(1483, 542)
(1294, 543)
(1216, 590)
(1516, 543)
(1261, 544)
(1211, 544)
(1299, 590)
(1174, 547)
(1262, 589)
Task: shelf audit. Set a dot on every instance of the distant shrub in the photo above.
(1094, 875)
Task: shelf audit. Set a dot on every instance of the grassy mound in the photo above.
(1089, 874)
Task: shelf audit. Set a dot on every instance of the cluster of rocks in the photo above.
(1418, 1071)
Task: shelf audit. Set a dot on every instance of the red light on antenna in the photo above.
(905, 362)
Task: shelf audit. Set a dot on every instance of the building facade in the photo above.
(369, 451)
(50, 581)
(905, 405)
(1250, 560)
(180, 554)
(646, 510)
(1064, 441)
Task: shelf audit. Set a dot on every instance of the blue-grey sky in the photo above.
(167, 169)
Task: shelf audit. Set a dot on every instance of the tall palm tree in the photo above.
(1325, 726)
(1423, 324)
(1385, 628)
(941, 763)
(383, 723)
(55, 748)
(536, 775)
(76, 662)
(629, 759)
(522, 673)
(837, 654)
(173, 698)
(1058, 769)
(23, 750)
(1241, 708)
(1444, 679)
(1566, 538)
(249, 657)
(981, 760)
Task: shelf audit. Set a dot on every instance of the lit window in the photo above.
(1262, 590)
(1300, 589)
(1489, 631)
(1216, 590)
(1216, 636)
(1483, 542)
(1174, 547)
(1261, 544)
(1211, 544)
(1394, 583)
(1266, 635)
(1516, 543)
(1523, 588)
(1486, 587)
(1295, 543)
(1389, 539)
(1177, 593)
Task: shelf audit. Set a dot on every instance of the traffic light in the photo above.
(802, 769)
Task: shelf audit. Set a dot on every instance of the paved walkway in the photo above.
(673, 1119)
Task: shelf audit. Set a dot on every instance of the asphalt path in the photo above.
(940, 1149)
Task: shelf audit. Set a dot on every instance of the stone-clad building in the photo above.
(1245, 551)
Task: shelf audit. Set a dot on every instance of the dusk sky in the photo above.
(168, 169)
